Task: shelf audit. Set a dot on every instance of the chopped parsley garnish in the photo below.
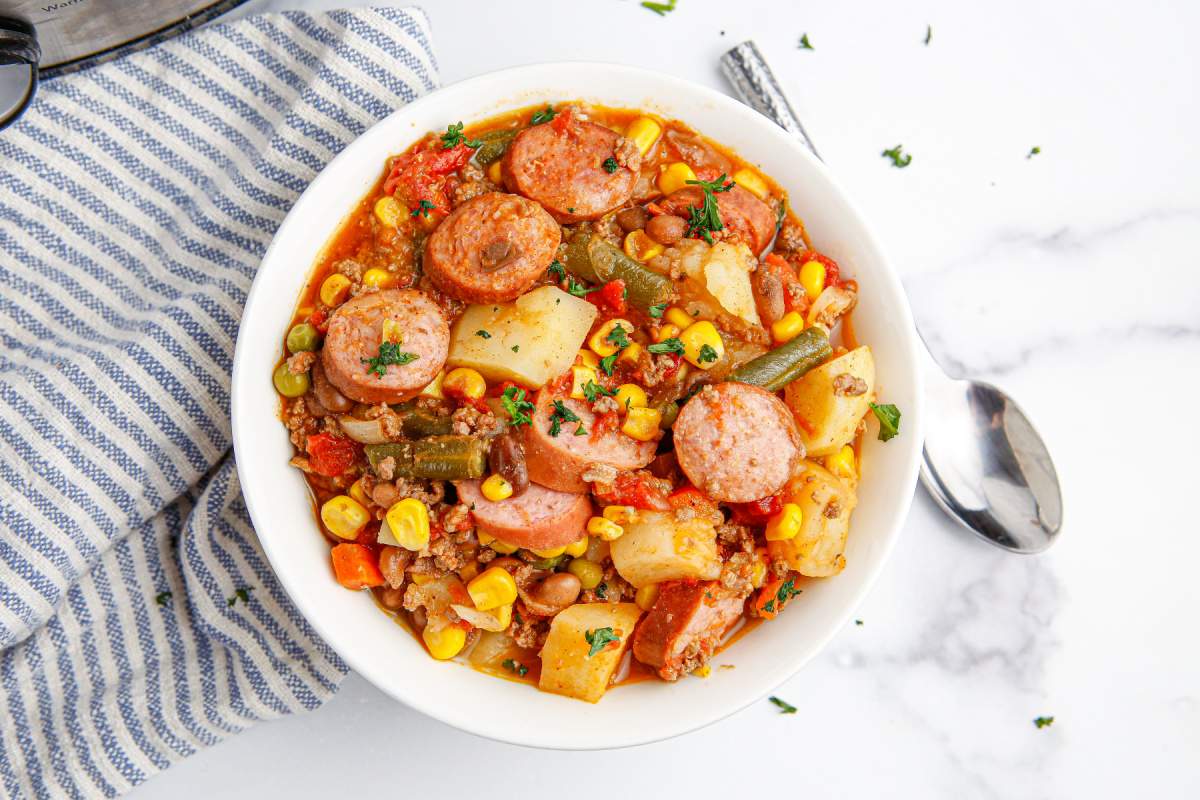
(928, 34)
(889, 420)
(656, 310)
(515, 666)
(557, 270)
(593, 391)
(607, 363)
(389, 354)
(543, 116)
(706, 220)
(805, 44)
(562, 414)
(516, 405)
(610, 165)
(602, 591)
(578, 289)
(660, 8)
(1043, 722)
(516, 348)
(899, 159)
(787, 590)
(599, 639)
(618, 337)
(482, 334)
(162, 597)
(707, 354)
(1033, 151)
(454, 137)
(242, 594)
(422, 210)
(784, 706)
(672, 345)
(581, 431)
(780, 213)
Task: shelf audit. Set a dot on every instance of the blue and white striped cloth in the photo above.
(139, 620)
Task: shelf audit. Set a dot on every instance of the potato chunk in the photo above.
(658, 547)
(576, 667)
(530, 341)
(724, 272)
(830, 400)
(817, 550)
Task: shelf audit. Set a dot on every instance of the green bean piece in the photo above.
(444, 458)
(595, 260)
(303, 337)
(419, 423)
(669, 412)
(494, 145)
(288, 383)
(776, 368)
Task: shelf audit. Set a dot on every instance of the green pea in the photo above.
(288, 383)
(302, 337)
(589, 572)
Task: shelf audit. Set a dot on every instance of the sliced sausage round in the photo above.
(491, 248)
(537, 519)
(356, 333)
(737, 442)
(560, 461)
(561, 166)
(685, 626)
(745, 216)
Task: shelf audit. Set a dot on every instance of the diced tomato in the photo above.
(605, 424)
(330, 455)
(655, 210)
(611, 297)
(355, 566)
(688, 496)
(757, 512)
(319, 319)
(640, 490)
(562, 121)
(422, 175)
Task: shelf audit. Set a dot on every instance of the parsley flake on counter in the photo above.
(858, 622)
(889, 420)
(610, 165)
(1033, 152)
(599, 639)
(516, 405)
(593, 391)
(607, 364)
(706, 219)
(543, 116)
(707, 354)
(390, 354)
(805, 44)
(482, 334)
(242, 594)
(1043, 722)
(557, 270)
(562, 414)
(928, 34)
(784, 706)
(899, 159)
(422, 210)
(672, 345)
(656, 310)
(162, 597)
(515, 666)
(660, 8)
(454, 137)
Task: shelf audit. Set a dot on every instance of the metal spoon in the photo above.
(983, 461)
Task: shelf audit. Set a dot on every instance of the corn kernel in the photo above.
(580, 377)
(630, 395)
(842, 464)
(787, 327)
(644, 132)
(335, 289)
(598, 342)
(750, 180)
(409, 523)
(606, 529)
(622, 515)
(392, 331)
(344, 516)
(667, 331)
(493, 173)
(496, 488)
(550, 552)
(675, 177)
(702, 671)
(642, 424)
(359, 494)
(492, 588)
(469, 571)
(389, 211)
(587, 358)
(630, 354)
(379, 278)
(646, 596)
(784, 525)
(812, 278)
(578, 548)
(503, 548)
(758, 570)
(641, 247)
(444, 643)
(678, 317)
(589, 572)
(699, 336)
(464, 382)
(434, 389)
(420, 579)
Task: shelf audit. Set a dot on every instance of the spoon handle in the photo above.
(755, 83)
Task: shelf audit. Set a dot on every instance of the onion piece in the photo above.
(365, 431)
(832, 303)
(493, 620)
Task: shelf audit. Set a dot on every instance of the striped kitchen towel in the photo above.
(139, 619)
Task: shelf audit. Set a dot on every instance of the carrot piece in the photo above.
(774, 595)
(355, 566)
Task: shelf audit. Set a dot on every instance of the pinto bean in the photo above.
(666, 228)
(327, 394)
(556, 592)
(392, 563)
(507, 457)
(385, 494)
(391, 598)
(631, 219)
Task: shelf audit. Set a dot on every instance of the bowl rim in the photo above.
(914, 413)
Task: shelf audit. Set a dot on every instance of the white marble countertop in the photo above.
(1072, 278)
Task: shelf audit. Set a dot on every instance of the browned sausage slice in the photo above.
(491, 248)
(747, 218)
(559, 461)
(562, 167)
(356, 331)
(537, 519)
(685, 626)
(737, 442)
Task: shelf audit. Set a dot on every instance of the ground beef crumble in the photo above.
(848, 385)
(468, 420)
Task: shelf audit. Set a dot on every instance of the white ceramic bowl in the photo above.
(369, 640)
